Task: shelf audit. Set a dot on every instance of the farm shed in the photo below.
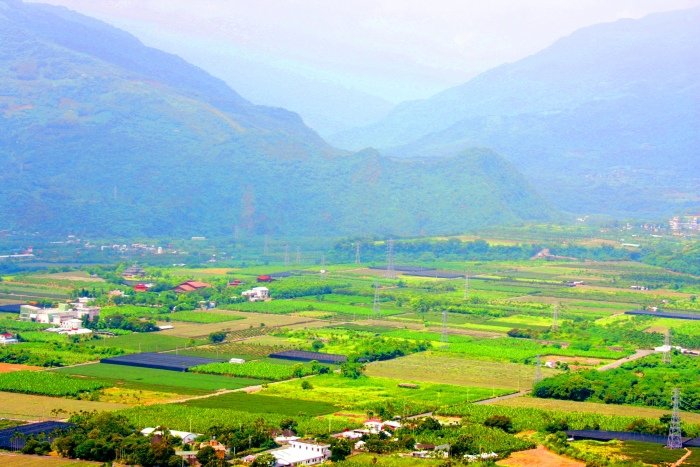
(304, 356)
(159, 361)
(664, 314)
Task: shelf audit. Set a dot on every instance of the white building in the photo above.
(257, 294)
(185, 436)
(7, 338)
(302, 452)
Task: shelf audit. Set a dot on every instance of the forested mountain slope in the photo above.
(607, 117)
(101, 135)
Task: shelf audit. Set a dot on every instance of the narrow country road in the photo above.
(502, 398)
(636, 356)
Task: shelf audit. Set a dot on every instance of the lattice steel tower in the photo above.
(674, 428)
(666, 357)
(375, 305)
(286, 254)
(466, 284)
(357, 252)
(390, 268)
(555, 318)
(538, 370)
(444, 338)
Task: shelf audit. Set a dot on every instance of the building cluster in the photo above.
(66, 318)
(681, 224)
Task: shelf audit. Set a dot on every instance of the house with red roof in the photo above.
(190, 286)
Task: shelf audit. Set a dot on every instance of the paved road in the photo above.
(637, 355)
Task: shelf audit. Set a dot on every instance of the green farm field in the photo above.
(158, 380)
(256, 403)
(146, 342)
(448, 369)
(592, 407)
(368, 393)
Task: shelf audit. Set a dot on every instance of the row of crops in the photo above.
(49, 384)
(260, 369)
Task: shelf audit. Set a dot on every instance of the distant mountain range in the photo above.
(102, 136)
(606, 120)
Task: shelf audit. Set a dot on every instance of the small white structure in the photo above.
(238, 361)
(257, 294)
(7, 338)
(302, 452)
(185, 436)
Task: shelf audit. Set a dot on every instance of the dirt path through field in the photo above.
(680, 461)
(502, 398)
(539, 457)
(637, 355)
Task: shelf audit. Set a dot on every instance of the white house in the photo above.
(302, 452)
(257, 294)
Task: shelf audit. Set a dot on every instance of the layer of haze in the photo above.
(344, 63)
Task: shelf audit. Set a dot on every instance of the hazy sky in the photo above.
(395, 49)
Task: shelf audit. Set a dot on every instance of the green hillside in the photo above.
(102, 135)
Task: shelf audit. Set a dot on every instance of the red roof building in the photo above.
(191, 286)
(265, 278)
(140, 288)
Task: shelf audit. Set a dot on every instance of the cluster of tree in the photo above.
(379, 348)
(646, 382)
(373, 251)
(106, 437)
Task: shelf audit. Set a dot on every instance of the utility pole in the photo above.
(674, 428)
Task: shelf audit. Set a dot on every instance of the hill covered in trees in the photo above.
(102, 135)
(606, 118)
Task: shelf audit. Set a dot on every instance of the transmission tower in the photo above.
(674, 428)
(466, 285)
(444, 337)
(298, 257)
(286, 254)
(357, 252)
(390, 269)
(538, 370)
(266, 246)
(666, 357)
(555, 318)
(375, 305)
